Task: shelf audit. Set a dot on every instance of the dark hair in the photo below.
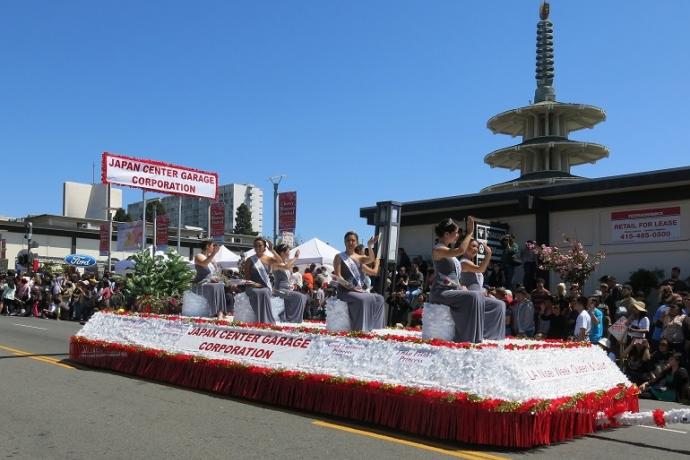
(282, 247)
(582, 300)
(205, 244)
(540, 280)
(351, 233)
(259, 238)
(445, 226)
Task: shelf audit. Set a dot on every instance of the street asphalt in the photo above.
(53, 409)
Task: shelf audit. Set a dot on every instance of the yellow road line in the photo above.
(43, 359)
(467, 454)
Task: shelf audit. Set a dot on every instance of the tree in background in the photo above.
(122, 216)
(243, 221)
(572, 263)
(150, 206)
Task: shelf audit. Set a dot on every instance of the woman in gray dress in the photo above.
(466, 307)
(295, 301)
(366, 309)
(259, 287)
(473, 277)
(214, 293)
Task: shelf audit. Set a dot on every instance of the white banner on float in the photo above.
(256, 345)
(645, 225)
(158, 177)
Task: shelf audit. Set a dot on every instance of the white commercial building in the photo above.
(195, 210)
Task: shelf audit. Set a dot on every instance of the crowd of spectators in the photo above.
(68, 295)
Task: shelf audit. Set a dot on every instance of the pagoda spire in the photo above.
(545, 70)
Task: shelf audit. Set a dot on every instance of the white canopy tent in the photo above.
(225, 258)
(314, 251)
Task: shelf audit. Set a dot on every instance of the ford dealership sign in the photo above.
(80, 260)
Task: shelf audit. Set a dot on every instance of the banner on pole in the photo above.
(162, 223)
(287, 212)
(158, 177)
(288, 238)
(218, 222)
(129, 235)
(104, 246)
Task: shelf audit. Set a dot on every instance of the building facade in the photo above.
(195, 211)
(639, 220)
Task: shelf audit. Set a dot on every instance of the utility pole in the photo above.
(275, 180)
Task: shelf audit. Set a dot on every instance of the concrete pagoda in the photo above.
(545, 154)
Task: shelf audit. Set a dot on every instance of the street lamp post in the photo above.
(388, 228)
(275, 180)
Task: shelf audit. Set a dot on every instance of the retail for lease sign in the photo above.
(645, 225)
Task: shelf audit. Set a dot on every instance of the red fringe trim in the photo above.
(421, 413)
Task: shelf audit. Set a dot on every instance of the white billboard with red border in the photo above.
(156, 176)
(646, 225)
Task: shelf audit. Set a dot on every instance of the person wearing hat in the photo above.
(624, 305)
(638, 322)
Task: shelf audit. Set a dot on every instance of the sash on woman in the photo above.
(261, 270)
(354, 269)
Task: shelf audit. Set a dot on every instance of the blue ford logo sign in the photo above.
(80, 260)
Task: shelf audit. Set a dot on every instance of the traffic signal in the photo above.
(28, 230)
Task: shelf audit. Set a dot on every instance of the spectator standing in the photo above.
(638, 322)
(673, 327)
(583, 323)
(523, 319)
(597, 316)
(675, 282)
(529, 266)
(296, 278)
(539, 293)
(308, 279)
(558, 323)
(624, 305)
(510, 258)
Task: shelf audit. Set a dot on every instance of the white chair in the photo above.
(245, 313)
(337, 315)
(194, 305)
(437, 322)
(243, 309)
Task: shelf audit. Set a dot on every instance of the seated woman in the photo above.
(295, 301)
(259, 288)
(214, 293)
(638, 361)
(472, 276)
(366, 309)
(466, 307)
(672, 384)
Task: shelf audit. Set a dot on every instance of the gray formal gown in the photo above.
(295, 301)
(366, 309)
(466, 307)
(494, 309)
(260, 298)
(214, 293)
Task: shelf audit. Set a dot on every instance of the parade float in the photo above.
(513, 393)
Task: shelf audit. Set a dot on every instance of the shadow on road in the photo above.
(37, 355)
(641, 444)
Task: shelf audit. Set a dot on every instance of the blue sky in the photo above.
(356, 102)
